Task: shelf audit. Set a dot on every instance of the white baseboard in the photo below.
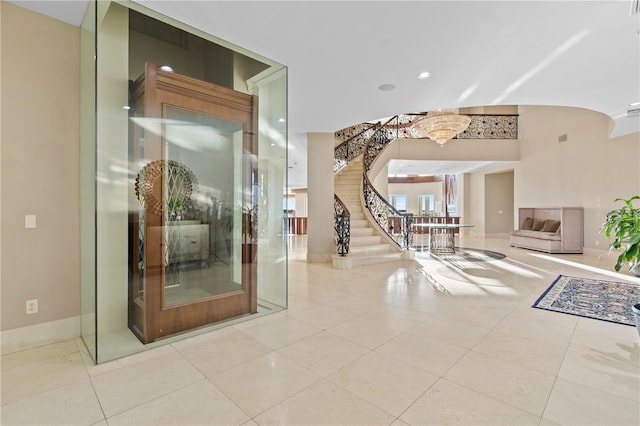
(19, 339)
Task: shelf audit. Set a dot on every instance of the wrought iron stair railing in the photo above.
(342, 226)
(343, 154)
(395, 224)
(381, 210)
(351, 148)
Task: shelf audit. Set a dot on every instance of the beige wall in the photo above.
(320, 237)
(39, 167)
(588, 170)
(414, 190)
(498, 203)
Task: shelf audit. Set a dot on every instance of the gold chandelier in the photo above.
(442, 125)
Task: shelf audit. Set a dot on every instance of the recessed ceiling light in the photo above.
(424, 75)
(635, 104)
(127, 107)
(281, 120)
(386, 87)
(166, 68)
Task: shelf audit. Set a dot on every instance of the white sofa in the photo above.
(551, 230)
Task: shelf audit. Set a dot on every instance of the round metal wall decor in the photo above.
(180, 180)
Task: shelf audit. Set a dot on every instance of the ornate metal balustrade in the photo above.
(352, 148)
(342, 226)
(491, 127)
(349, 132)
(388, 132)
(381, 210)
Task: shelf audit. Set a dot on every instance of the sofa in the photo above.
(550, 230)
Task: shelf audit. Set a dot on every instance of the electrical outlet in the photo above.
(32, 306)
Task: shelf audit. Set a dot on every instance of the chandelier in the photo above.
(442, 125)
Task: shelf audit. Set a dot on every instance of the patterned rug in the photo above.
(591, 298)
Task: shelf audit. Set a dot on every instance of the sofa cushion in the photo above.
(550, 236)
(537, 224)
(528, 224)
(550, 225)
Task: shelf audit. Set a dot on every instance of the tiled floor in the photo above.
(409, 343)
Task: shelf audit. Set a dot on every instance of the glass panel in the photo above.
(87, 176)
(200, 184)
(112, 217)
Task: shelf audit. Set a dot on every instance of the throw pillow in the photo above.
(537, 224)
(551, 225)
(528, 224)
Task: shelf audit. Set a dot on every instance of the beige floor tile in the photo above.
(460, 333)
(95, 370)
(609, 329)
(325, 404)
(575, 404)
(224, 351)
(383, 381)
(280, 332)
(42, 353)
(608, 346)
(598, 371)
(509, 382)
(127, 387)
(537, 328)
(323, 316)
(198, 404)
(432, 355)
(74, 404)
(33, 378)
(323, 353)
(355, 304)
(261, 383)
(546, 358)
(447, 403)
(374, 329)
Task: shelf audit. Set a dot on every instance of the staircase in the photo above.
(367, 246)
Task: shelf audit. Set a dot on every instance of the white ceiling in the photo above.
(569, 53)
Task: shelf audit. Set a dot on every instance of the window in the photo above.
(426, 204)
(399, 202)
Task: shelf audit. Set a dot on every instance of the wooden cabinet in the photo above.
(185, 133)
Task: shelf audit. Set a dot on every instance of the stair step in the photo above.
(361, 232)
(366, 240)
(357, 216)
(369, 249)
(362, 223)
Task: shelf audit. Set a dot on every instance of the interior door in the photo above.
(199, 152)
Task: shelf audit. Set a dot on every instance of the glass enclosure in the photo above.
(183, 178)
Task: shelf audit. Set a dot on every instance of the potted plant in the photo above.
(623, 225)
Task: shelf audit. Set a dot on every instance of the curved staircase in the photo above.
(366, 245)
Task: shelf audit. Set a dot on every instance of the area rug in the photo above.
(591, 298)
